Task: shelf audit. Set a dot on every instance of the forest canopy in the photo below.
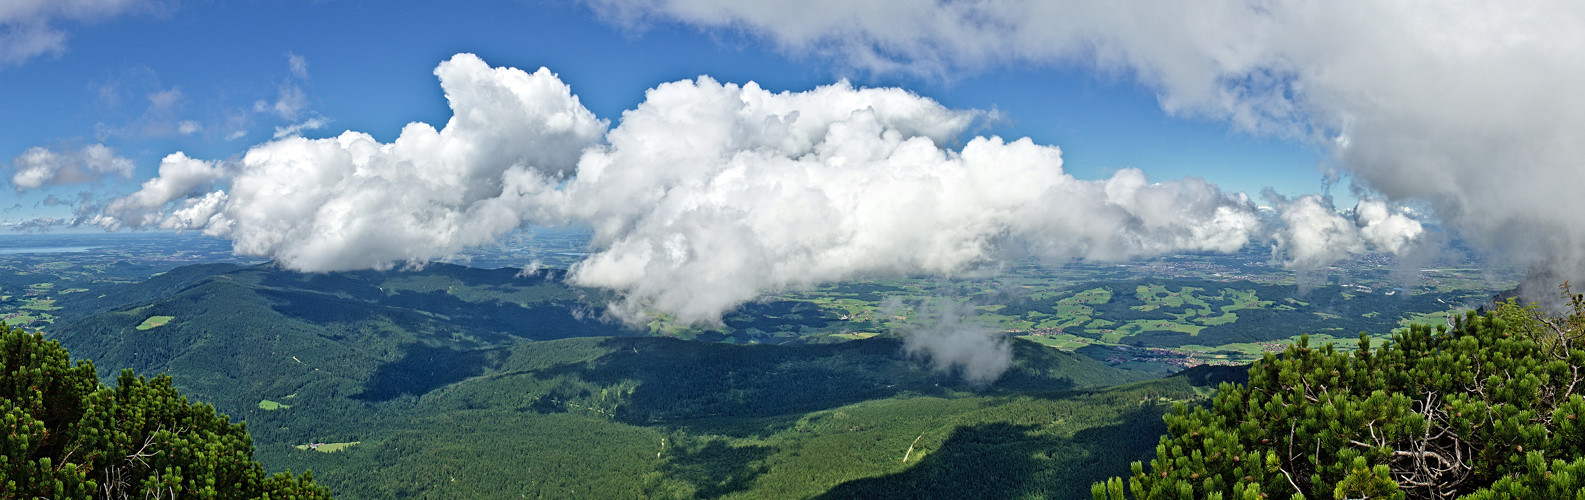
(68, 436)
(1487, 409)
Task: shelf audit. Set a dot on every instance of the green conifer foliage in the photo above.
(65, 436)
(1490, 408)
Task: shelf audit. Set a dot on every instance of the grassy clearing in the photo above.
(1091, 296)
(1225, 318)
(155, 322)
(1243, 299)
(1062, 341)
(327, 447)
(1045, 294)
(24, 319)
(854, 335)
(41, 304)
(1250, 351)
(1076, 310)
(1241, 352)
(1435, 318)
(1145, 325)
(845, 307)
(1158, 296)
(268, 405)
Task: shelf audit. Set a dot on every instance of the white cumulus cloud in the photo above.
(1387, 231)
(711, 194)
(179, 177)
(351, 202)
(1313, 234)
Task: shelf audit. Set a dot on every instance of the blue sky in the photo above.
(369, 68)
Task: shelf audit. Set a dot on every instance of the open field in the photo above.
(155, 322)
(327, 447)
(268, 405)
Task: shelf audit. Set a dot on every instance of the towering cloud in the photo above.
(1467, 106)
(351, 202)
(710, 194)
(707, 194)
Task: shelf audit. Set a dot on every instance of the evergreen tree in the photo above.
(1490, 408)
(66, 436)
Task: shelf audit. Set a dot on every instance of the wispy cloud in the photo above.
(288, 104)
(315, 123)
(298, 65)
(136, 104)
(28, 28)
(291, 104)
(36, 225)
(40, 166)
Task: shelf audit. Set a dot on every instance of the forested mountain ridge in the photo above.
(458, 382)
(78, 306)
(654, 417)
(395, 372)
(319, 320)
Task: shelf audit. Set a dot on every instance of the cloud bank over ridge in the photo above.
(709, 194)
(1469, 107)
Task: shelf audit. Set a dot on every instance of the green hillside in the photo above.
(681, 419)
(78, 306)
(345, 324)
(395, 384)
